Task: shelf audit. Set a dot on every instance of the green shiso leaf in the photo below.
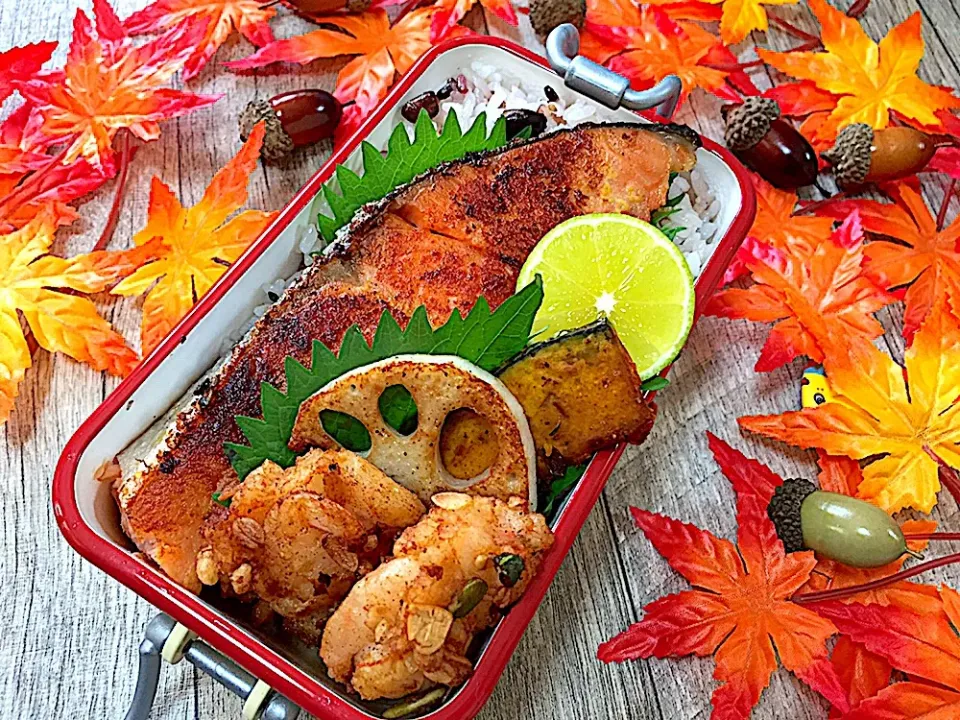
(654, 383)
(398, 409)
(403, 162)
(560, 487)
(346, 430)
(483, 337)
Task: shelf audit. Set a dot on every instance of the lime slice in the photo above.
(622, 268)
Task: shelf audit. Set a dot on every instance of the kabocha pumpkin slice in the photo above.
(580, 392)
(348, 409)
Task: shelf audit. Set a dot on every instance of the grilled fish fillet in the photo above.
(458, 232)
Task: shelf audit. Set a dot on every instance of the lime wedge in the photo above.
(622, 268)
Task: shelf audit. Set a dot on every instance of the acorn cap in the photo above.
(850, 154)
(358, 6)
(277, 144)
(545, 15)
(784, 511)
(748, 122)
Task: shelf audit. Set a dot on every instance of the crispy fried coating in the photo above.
(297, 539)
(399, 630)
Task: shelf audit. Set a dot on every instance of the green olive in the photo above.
(469, 598)
(849, 530)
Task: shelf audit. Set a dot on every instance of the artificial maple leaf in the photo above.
(222, 17)
(451, 12)
(111, 84)
(900, 430)
(657, 46)
(868, 80)
(923, 645)
(808, 296)
(741, 17)
(839, 475)
(198, 243)
(32, 182)
(384, 51)
(776, 226)
(627, 13)
(69, 323)
(947, 161)
(739, 610)
(19, 64)
(861, 672)
(917, 254)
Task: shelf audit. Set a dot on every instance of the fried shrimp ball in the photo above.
(407, 625)
(297, 539)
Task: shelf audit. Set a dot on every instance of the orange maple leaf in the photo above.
(248, 17)
(655, 46)
(383, 51)
(809, 297)
(925, 646)
(868, 80)
(451, 12)
(901, 428)
(742, 17)
(627, 13)
(31, 283)
(739, 610)
(777, 226)
(197, 243)
(111, 84)
(917, 254)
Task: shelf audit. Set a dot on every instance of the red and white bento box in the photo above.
(85, 510)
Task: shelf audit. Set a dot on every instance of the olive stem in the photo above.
(840, 593)
(942, 215)
(406, 8)
(121, 184)
(795, 31)
(933, 536)
(858, 8)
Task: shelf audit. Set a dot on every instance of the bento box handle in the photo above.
(602, 84)
(165, 639)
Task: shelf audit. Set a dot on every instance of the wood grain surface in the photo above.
(70, 633)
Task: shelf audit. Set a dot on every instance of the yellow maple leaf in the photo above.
(870, 80)
(741, 17)
(198, 243)
(31, 282)
(903, 422)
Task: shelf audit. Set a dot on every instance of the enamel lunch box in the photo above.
(275, 676)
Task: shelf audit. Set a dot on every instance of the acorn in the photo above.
(293, 119)
(862, 155)
(545, 15)
(769, 145)
(837, 527)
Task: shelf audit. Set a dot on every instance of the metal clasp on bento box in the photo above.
(166, 639)
(602, 84)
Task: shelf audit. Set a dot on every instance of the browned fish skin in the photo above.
(457, 233)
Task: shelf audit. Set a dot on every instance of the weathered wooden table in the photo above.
(70, 633)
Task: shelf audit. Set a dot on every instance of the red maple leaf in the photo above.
(923, 645)
(20, 64)
(861, 672)
(776, 226)
(913, 253)
(451, 12)
(221, 17)
(809, 297)
(110, 84)
(739, 610)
